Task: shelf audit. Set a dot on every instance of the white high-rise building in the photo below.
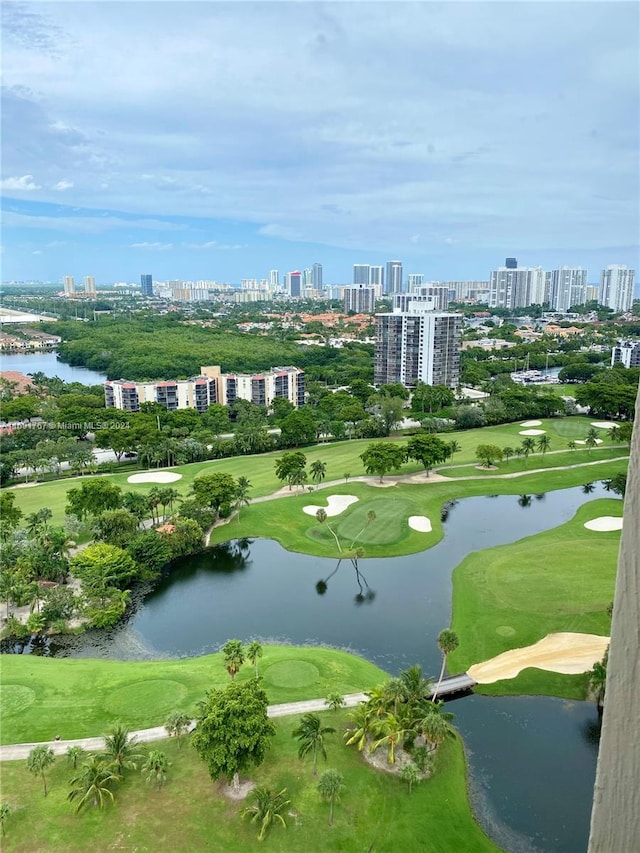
(414, 279)
(616, 287)
(565, 287)
(394, 277)
(317, 276)
(627, 353)
(360, 298)
(89, 285)
(376, 277)
(69, 285)
(274, 280)
(516, 287)
(418, 345)
(361, 273)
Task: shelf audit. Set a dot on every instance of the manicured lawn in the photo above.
(190, 814)
(284, 520)
(340, 458)
(535, 461)
(44, 697)
(513, 595)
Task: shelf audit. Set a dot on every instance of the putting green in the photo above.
(14, 698)
(292, 673)
(570, 429)
(389, 525)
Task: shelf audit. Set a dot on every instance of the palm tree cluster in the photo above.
(235, 654)
(399, 714)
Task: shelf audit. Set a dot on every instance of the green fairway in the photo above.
(44, 697)
(284, 520)
(514, 595)
(340, 458)
(189, 813)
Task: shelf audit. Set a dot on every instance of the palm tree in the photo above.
(92, 785)
(321, 517)
(335, 701)
(254, 652)
(528, 446)
(311, 733)
(433, 727)
(389, 732)
(266, 809)
(592, 438)
(318, 471)
(588, 488)
(242, 494)
(507, 453)
(571, 445)
(330, 785)
(73, 754)
(453, 447)
(39, 761)
(121, 750)
(362, 718)
(177, 725)
(5, 811)
(447, 642)
(416, 686)
(544, 443)
(409, 775)
(394, 692)
(524, 501)
(233, 657)
(156, 767)
(598, 680)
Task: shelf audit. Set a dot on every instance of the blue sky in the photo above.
(220, 140)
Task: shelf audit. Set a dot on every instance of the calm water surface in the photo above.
(47, 363)
(532, 759)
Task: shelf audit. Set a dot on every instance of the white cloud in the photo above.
(25, 183)
(37, 252)
(162, 247)
(62, 185)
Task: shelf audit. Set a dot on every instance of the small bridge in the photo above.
(453, 684)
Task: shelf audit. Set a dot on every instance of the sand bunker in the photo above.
(569, 654)
(531, 423)
(155, 477)
(584, 441)
(335, 505)
(604, 522)
(603, 424)
(532, 431)
(420, 523)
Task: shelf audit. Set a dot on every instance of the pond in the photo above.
(47, 363)
(532, 759)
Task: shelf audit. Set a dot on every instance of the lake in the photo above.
(47, 363)
(532, 759)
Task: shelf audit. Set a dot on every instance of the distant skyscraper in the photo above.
(69, 285)
(376, 276)
(512, 287)
(360, 298)
(295, 283)
(414, 279)
(90, 285)
(317, 276)
(566, 286)
(394, 277)
(274, 279)
(146, 284)
(307, 277)
(511, 263)
(616, 287)
(361, 273)
(418, 345)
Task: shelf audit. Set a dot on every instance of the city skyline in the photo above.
(191, 145)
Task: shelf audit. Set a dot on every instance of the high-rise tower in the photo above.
(394, 277)
(616, 287)
(146, 284)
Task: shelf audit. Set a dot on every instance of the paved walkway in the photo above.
(20, 751)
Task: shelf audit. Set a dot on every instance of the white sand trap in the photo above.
(603, 424)
(584, 441)
(155, 477)
(604, 522)
(420, 523)
(531, 423)
(532, 431)
(569, 654)
(335, 505)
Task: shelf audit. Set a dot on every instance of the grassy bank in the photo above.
(44, 697)
(513, 595)
(190, 814)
